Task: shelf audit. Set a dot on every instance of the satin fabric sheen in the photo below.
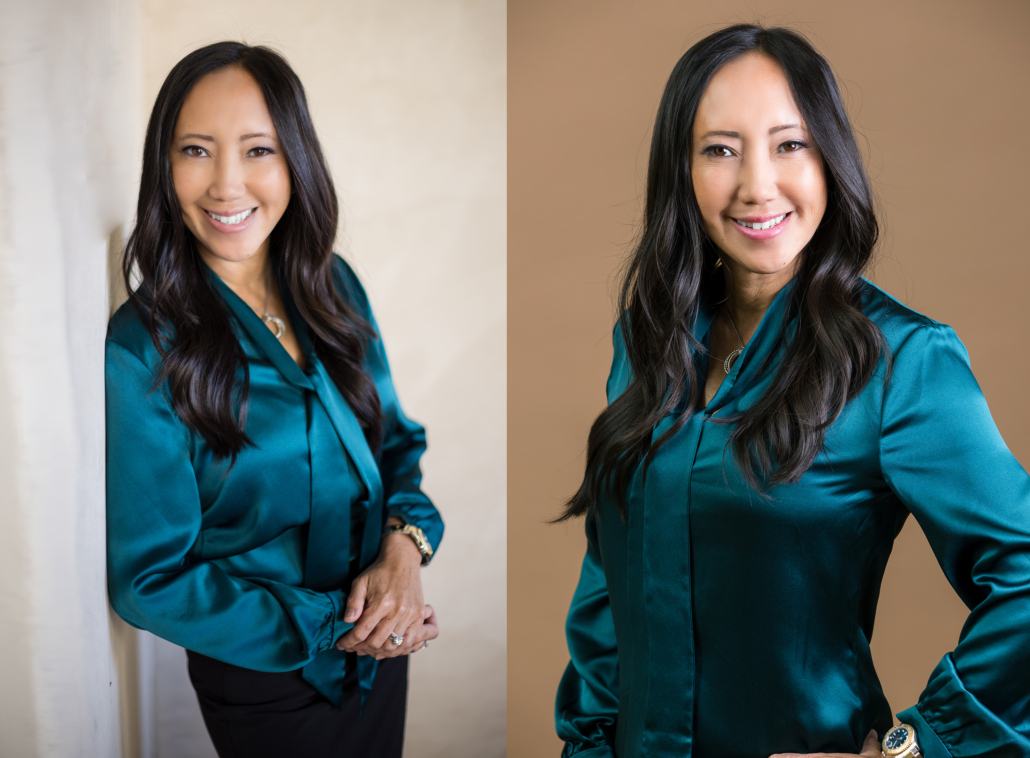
(252, 565)
(714, 622)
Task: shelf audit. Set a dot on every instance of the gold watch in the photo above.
(417, 536)
(900, 742)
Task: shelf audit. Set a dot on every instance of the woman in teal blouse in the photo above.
(264, 508)
(773, 419)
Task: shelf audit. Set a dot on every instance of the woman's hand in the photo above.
(385, 598)
(413, 642)
(870, 749)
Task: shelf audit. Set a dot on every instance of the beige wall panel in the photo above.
(940, 93)
(69, 82)
(409, 103)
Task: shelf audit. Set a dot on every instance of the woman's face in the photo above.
(229, 172)
(757, 175)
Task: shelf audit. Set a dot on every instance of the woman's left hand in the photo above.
(385, 598)
(870, 749)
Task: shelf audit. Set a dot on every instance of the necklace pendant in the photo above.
(280, 327)
(728, 363)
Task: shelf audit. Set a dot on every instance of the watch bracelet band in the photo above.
(912, 752)
(417, 536)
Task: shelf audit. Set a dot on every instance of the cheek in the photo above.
(188, 183)
(820, 191)
(809, 189)
(273, 183)
(711, 193)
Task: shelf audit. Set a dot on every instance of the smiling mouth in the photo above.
(239, 218)
(759, 226)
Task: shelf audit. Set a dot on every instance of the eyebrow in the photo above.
(212, 139)
(736, 135)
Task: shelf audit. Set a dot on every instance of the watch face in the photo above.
(896, 738)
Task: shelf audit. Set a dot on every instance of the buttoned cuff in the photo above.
(930, 744)
(337, 627)
(604, 751)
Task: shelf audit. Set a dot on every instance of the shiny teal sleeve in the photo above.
(153, 521)
(587, 705)
(944, 458)
(404, 440)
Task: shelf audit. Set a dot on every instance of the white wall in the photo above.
(69, 92)
(409, 101)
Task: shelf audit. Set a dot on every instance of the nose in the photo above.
(228, 180)
(758, 179)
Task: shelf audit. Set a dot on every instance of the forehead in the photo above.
(750, 93)
(223, 102)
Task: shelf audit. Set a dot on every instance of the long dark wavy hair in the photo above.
(202, 359)
(674, 268)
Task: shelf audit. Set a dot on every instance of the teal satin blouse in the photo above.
(715, 623)
(252, 565)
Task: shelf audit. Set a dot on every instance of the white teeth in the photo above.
(231, 220)
(764, 225)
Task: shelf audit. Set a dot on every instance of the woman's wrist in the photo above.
(395, 525)
(400, 545)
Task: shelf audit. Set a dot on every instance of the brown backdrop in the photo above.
(940, 94)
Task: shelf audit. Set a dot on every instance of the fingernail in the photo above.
(350, 616)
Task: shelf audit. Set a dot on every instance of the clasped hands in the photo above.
(870, 749)
(387, 598)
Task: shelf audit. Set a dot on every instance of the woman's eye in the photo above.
(259, 152)
(194, 151)
(793, 146)
(719, 151)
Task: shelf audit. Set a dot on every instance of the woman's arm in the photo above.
(404, 440)
(942, 455)
(387, 597)
(587, 705)
(153, 520)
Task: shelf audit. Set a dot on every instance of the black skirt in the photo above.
(255, 714)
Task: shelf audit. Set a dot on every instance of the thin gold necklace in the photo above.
(728, 363)
(268, 318)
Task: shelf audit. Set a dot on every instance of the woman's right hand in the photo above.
(413, 641)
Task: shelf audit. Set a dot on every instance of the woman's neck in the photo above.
(249, 278)
(748, 295)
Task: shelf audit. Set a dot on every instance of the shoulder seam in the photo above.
(891, 300)
(930, 324)
(184, 430)
(357, 297)
(131, 352)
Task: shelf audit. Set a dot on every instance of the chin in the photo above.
(766, 264)
(234, 253)
(766, 267)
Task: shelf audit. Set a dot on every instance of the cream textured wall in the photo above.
(69, 88)
(409, 101)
